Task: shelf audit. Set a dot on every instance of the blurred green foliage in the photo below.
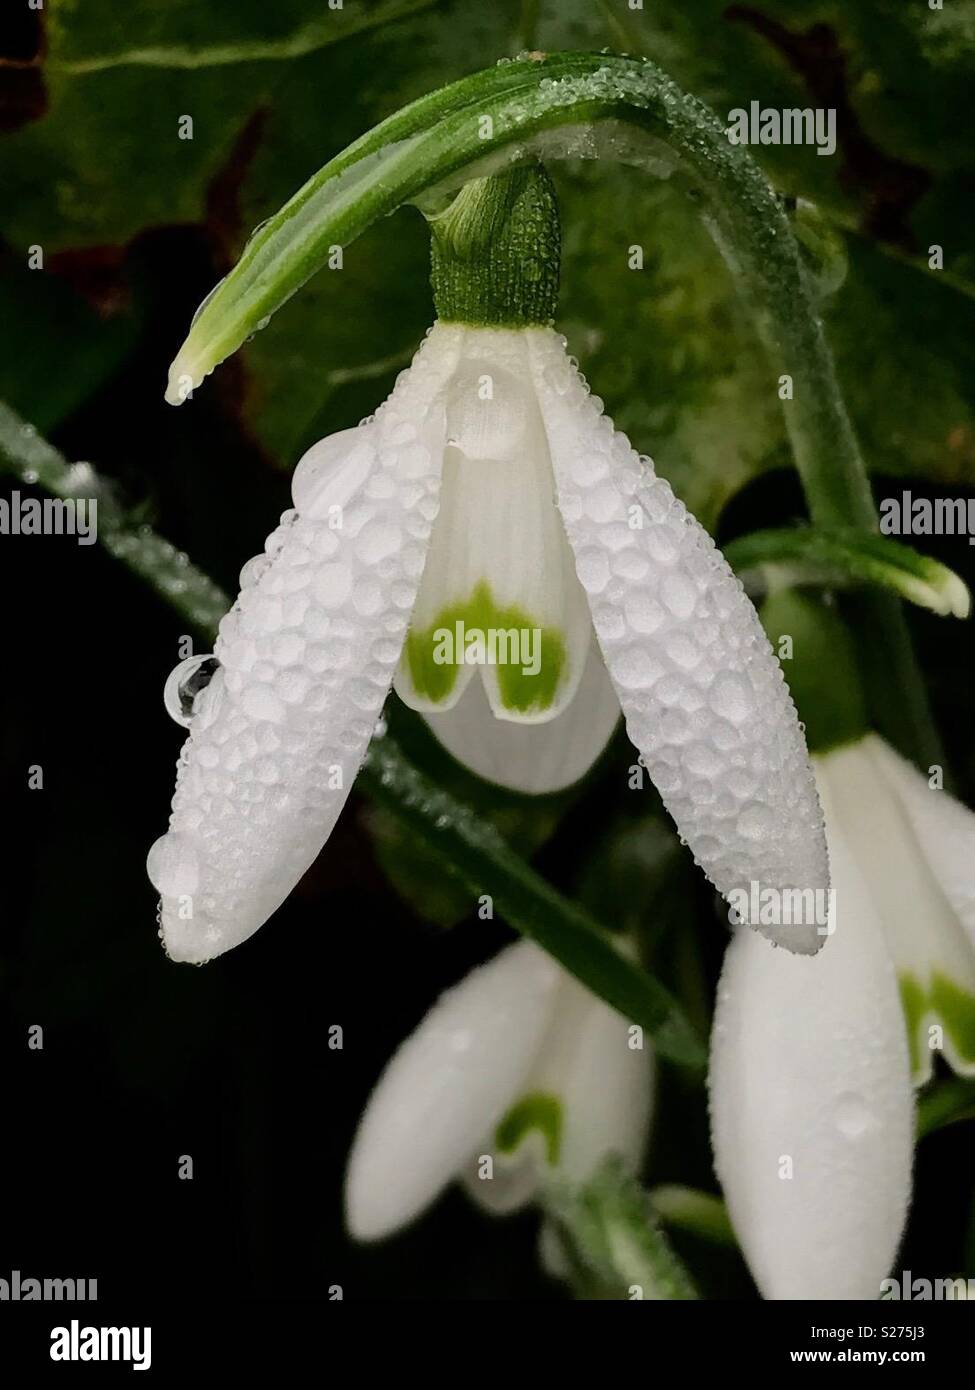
(274, 91)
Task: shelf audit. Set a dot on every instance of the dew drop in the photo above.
(185, 683)
(172, 865)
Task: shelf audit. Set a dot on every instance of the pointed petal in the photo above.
(499, 564)
(812, 1115)
(306, 656)
(533, 758)
(446, 1087)
(909, 842)
(703, 697)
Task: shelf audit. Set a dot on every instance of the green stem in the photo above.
(165, 569)
(698, 1213)
(611, 107)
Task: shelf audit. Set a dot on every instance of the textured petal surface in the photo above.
(535, 758)
(447, 1087)
(702, 694)
(499, 562)
(306, 655)
(811, 1104)
(904, 836)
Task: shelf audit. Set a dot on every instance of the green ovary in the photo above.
(433, 663)
(538, 1110)
(952, 1006)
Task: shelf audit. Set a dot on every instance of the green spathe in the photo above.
(494, 252)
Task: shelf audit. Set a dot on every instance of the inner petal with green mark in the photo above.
(499, 598)
(538, 1113)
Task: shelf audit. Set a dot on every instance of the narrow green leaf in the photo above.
(797, 555)
(469, 848)
(26, 454)
(611, 1241)
(474, 852)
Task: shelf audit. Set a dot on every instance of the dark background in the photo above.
(144, 1060)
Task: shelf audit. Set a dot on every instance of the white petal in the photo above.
(534, 758)
(446, 1087)
(591, 1089)
(606, 1083)
(702, 694)
(944, 827)
(306, 657)
(909, 842)
(810, 1076)
(498, 563)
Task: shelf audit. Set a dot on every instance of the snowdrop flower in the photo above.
(516, 1074)
(812, 1117)
(488, 543)
(914, 846)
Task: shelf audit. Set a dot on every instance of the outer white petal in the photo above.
(809, 1068)
(702, 694)
(446, 1087)
(535, 758)
(603, 1088)
(306, 655)
(944, 827)
(909, 842)
(498, 554)
(606, 1083)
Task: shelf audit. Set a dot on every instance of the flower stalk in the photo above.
(494, 252)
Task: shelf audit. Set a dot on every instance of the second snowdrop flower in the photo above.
(515, 1075)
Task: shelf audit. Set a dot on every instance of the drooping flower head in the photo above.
(516, 1074)
(489, 495)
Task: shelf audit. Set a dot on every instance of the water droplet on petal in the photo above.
(173, 866)
(185, 682)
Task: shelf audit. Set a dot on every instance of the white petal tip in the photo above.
(957, 598)
(182, 381)
(373, 1211)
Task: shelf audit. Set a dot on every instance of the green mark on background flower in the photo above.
(943, 1002)
(535, 1111)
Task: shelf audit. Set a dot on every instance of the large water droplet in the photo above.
(185, 683)
(853, 1115)
(173, 866)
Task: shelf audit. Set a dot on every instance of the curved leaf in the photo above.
(797, 555)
